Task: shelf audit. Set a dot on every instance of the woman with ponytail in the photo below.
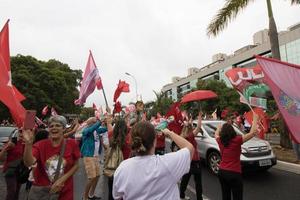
(150, 176)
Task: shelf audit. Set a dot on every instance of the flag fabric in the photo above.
(117, 107)
(45, 110)
(122, 87)
(53, 112)
(176, 124)
(10, 96)
(283, 80)
(263, 124)
(39, 122)
(90, 81)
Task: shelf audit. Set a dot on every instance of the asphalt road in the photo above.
(271, 185)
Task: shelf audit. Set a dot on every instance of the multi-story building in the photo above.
(289, 42)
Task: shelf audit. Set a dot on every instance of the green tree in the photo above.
(227, 97)
(160, 105)
(45, 83)
(231, 10)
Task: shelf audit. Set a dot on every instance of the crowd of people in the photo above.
(52, 155)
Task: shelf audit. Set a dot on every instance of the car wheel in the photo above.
(214, 162)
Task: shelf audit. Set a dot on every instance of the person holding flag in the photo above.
(230, 173)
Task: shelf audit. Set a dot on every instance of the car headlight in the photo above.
(268, 145)
(244, 150)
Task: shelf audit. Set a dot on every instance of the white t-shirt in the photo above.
(151, 177)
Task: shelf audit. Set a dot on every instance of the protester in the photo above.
(230, 167)
(160, 144)
(13, 152)
(45, 154)
(69, 132)
(120, 138)
(195, 169)
(149, 176)
(91, 156)
(41, 134)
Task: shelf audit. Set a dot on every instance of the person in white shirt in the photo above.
(149, 176)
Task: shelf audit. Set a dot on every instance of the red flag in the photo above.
(263, 125)
(90, 80)
(175, 125)
(53, 112)
(10, 96)
(117, 107)
(240, 78)
(122, 87)
(283, 80)
(45, 110)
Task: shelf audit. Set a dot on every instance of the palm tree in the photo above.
(230, 11)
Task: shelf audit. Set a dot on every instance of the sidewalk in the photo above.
(289, 167)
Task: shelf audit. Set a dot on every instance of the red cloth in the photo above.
(46, 156)
(127, 146)
(160, 141)
(191, 139)
(122, 87)
(283, 80)
(174, 111)
(117, 107)
(230, 155)
(263, 125)
(10, 96)
(13, 154)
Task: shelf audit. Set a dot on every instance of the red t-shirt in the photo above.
(47, 158)
(126, 150)
(14, 153)
(191, 139)
(160, 141)
(230, 155)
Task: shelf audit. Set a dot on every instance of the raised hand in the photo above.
(28, 136)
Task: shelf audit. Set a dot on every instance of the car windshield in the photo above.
(211, 127)
(6, 131)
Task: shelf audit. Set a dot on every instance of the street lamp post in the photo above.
(136, 94)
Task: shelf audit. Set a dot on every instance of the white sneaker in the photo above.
(185, 198)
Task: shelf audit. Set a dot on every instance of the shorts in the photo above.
(92, 166)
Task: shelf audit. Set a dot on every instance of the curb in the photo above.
(289, 167)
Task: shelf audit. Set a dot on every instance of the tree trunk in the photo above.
(273, 35)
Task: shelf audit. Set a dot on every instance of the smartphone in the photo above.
(29, 119)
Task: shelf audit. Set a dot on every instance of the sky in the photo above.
(153, 40)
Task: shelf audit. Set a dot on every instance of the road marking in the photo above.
(194, 192)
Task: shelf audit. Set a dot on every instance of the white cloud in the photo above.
(151, 39)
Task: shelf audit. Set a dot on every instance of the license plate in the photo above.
(266, 162)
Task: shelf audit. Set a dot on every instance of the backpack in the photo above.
(22, 173)
(112, 161)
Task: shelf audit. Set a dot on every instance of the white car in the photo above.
(256, 153)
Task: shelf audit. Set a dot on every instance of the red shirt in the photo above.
(47, 157)
(160, 141)
(126, 150)
(191, 139)
(230, 155)
(14, 153)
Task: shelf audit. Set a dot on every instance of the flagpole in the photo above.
(104, 97)
(248, 104)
